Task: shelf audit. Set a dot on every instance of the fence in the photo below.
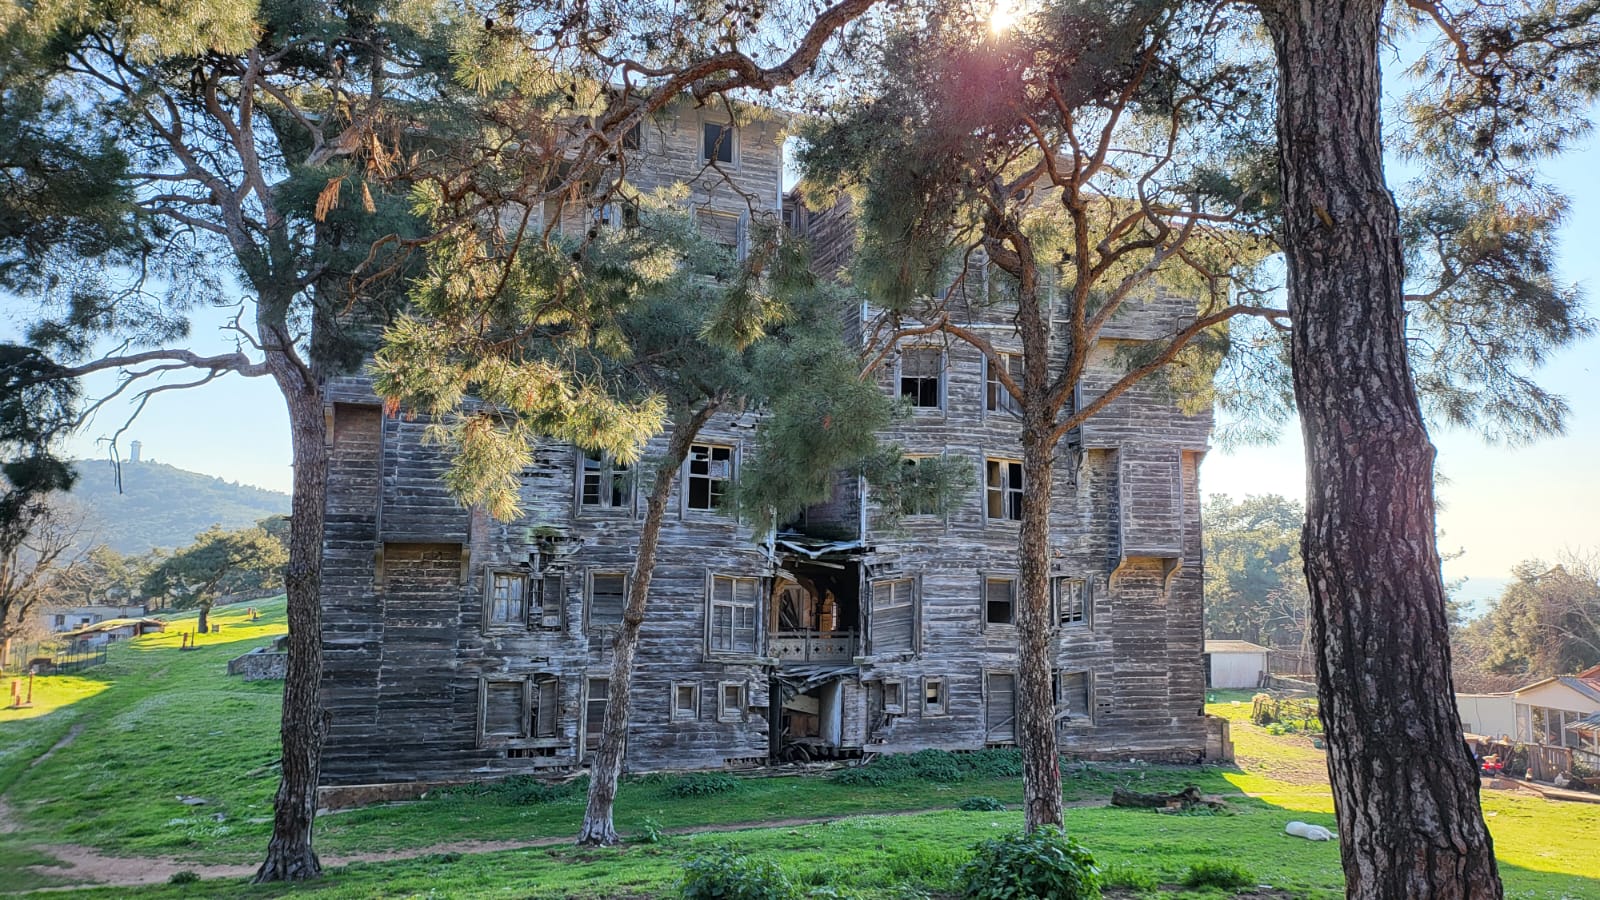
(50, 658)
(1292, 661)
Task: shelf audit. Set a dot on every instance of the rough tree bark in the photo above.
(1405, 788)
(1036, 708)
(290, 856)
(203, 624)
(606, 765)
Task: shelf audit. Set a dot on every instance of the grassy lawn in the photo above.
(156, 724)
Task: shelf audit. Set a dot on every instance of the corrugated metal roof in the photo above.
(1235, 647)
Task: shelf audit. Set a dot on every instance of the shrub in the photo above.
(1126, 876)
(184, 877)
(702, 784)
(981, 804)
(649, 831)
(723, 876)
(1218, 875)
(936, 766)
(1045, 864)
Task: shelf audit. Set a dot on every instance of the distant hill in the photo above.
(164, 506)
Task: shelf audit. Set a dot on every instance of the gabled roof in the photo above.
(1582, 686)
(1235, 647)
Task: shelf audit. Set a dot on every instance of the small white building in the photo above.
(1545, 708)
(1488, 715)
(1235, 664)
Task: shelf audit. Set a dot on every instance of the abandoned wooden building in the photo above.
(459, 648)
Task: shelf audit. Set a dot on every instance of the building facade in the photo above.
(457, 647)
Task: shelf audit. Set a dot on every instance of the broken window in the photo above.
(503, 713)
(594, 712)
(894, 697)
(999, 601)
(921, 371)
(1003, 482)
(544, 610)
(545, 707)
(718, 143)
(734, 697)
(1069, 597)
(633, 138)
(685, 701)
(508, 599)
(710, 469)
(1072, 694)
(608, 592)
(733, 615)
(1000, 709)
(894, 616)
(995, 396)
(605, 483)
(935, 696)
(916, 497)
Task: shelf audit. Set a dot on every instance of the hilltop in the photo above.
(164, 506)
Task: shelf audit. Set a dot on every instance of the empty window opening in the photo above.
(685, 701)
(607, 484)
(921, 369)
(1003, 480)
(894, 697)
(710, 470)
(995, 396)
(999, 601)
(935, 699)
(732, 701)
(717, 146)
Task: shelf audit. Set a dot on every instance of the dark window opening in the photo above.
(999, 601)
(920, 371)
(718, 145)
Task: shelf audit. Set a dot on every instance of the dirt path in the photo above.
(87, 867)
(66, 739)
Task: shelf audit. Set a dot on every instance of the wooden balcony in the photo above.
(813, 646)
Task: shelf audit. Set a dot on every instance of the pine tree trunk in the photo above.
(1035, 703)
(606, 765)
(290, 856)
(1405, 787)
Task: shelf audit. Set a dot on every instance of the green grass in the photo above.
(159, 723)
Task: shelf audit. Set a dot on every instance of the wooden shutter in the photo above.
(1000, 710)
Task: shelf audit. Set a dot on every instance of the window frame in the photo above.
(985, 579)
(996, 399)
(940, 377)
(589, 623)
(988, 697)
(1058, 691)
(909, 509)
(606, 468)
(734, 605)
(897, 708)
(729, 133)
(492, 574)
(738, 712)
(487, 737)
(913, 603)
(939, 686)
(677, 711)
(1059, 609)
(588, 705)
(687, 476)
(1007, 492)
